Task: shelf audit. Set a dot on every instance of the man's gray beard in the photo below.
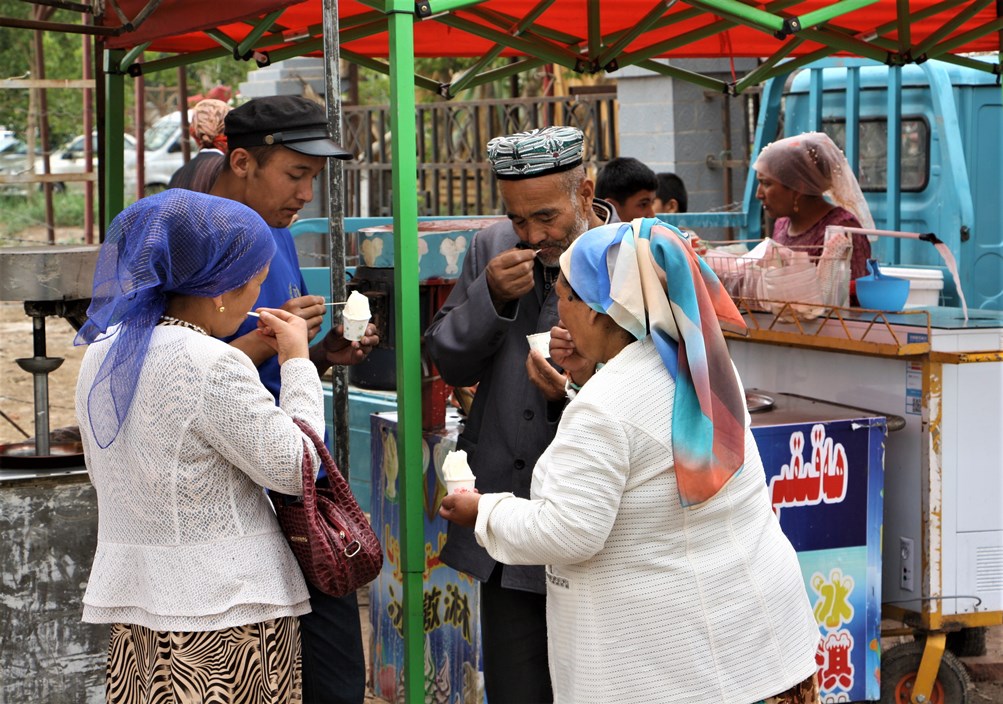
(580, 227)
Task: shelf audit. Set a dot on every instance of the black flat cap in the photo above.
(282, 120)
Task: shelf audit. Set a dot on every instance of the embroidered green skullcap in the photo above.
(536, 153)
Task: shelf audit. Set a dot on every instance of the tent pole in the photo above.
(336, 226)
(405, 211)
(114, 136)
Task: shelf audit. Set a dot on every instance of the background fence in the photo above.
(454, 177)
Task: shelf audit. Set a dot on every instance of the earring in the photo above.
(795, 205)
(222, 309)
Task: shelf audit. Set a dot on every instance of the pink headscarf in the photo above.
(812, 164)
(206, 124)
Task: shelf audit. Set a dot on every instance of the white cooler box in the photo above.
(925, 285)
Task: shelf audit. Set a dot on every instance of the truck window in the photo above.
(915, 149)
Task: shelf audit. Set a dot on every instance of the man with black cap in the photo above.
(506, 292)
(277, 146)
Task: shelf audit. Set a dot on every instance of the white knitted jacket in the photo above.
(648, 601)
(187, 539)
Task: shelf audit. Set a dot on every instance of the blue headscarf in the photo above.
(647, 278)
(176, 242)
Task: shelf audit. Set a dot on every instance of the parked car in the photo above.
(69, 159)
(163, 151)
(13, 161)
(162, 156)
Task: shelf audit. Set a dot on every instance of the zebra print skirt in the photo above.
(254, 664)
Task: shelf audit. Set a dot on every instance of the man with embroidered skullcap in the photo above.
(277, 146)
(506, 292)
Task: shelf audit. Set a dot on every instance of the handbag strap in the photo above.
(309, 484)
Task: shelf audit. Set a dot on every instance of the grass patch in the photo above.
(21, 213)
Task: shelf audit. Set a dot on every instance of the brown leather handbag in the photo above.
(330, 536)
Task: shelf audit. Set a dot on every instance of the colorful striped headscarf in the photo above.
(647, 278)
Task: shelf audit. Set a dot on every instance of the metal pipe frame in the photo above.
(949, 26)
(520, 27)
(675, 72)
(406, 327)
(497, 74)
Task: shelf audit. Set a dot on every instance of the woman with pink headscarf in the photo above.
(206, 128)
(806, 184)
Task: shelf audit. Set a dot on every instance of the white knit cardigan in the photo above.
(187, 539)
(648, 601)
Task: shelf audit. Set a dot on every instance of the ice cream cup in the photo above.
(540, 342)
(355, 328)
(459, 486)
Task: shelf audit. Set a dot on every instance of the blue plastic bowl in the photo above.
(885, 293)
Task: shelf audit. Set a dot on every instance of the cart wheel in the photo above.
(900, 665)
(968, 642)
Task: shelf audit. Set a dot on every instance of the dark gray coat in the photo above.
(508, 429)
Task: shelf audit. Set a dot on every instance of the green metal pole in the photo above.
(759, 74)
(497, 74)
(595, 29)
(437, 6)
(384, 68)
(684, 75)
(750, 16)
(114, 136)
(459, 84)
(542, 50)
(956, 41)
(255, 34)
(405, 211)
(949, 27)
(838, 9)
(642, 26)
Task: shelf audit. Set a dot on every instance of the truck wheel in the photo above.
(898, 676)
(968, 642)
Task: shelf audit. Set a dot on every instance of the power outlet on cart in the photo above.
(906, 564)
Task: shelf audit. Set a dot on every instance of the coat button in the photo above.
(527, 414)
(519, 464)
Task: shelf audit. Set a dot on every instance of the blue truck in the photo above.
(942, 175)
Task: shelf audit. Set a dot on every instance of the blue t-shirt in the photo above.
(284, 281)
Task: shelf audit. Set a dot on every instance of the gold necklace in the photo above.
(171, 320)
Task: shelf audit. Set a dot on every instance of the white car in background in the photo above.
(163, 156)
(70, 159)
(163, 151)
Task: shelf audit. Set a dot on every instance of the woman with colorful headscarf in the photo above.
(668, 578)
(192, 571)
(806, 184)
(206, 127)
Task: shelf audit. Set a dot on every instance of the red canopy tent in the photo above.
(586, 35)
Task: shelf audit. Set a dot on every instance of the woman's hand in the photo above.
(565, 355)
(285, 332)
(545, 377)
(461, 508)
(311, 309)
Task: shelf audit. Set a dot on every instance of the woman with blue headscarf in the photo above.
(668, 577)
(192, 570)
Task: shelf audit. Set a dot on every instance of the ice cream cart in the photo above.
(943, 527)
(450, 600)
